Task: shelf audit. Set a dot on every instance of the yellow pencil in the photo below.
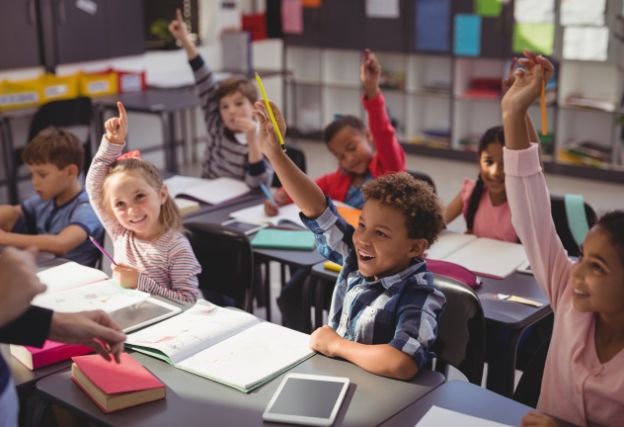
(270, 110)
(543, 109)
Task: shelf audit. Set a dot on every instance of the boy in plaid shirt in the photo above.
(384, 309)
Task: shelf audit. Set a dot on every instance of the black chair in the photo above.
(63, 114)
(558, 211)
(226, 259)
(530, 384)
(421, 176)
(297, 156)
(461, 331)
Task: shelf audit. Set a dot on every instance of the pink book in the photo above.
(50, 353)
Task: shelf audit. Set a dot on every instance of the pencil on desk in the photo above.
(270, 111)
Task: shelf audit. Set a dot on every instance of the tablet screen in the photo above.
(149, 311)
(307, 399)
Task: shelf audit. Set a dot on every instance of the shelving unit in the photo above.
(426, 92)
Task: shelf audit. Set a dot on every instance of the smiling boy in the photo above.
(384, 310)
(59, 218)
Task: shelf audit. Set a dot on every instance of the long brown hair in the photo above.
(169, 214)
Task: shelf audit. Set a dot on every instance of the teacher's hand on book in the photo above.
(19, 283)
(93, 328)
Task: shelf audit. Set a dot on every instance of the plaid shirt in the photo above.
(400, 310)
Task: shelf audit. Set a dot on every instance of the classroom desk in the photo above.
(514, 318)
(162, 103)
(466, 398)
(292, 258)
(194, 401)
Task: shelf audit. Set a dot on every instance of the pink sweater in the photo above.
(168, 265)
(576, 386)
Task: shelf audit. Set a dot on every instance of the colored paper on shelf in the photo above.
(490, 8)
(382, 8)
(432, 25)
(582, 12)
(534, 11)
(536, 37)
(311, 3)
(467, 35)
(292, 16)
(586, 43)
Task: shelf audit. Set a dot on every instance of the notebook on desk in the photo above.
(288, 215)
(272, 238)
(211, 191)
(228, 346)
(484, 257)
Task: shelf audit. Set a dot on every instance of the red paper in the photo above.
(113, 378)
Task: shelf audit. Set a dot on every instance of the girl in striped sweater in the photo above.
(131, 201)
(232, 147)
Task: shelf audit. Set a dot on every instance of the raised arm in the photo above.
(453, 209)
(389, 152)
(178, 29)
(116, 130)
(303, 191)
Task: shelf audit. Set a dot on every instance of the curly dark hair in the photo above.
(415, 198)
(613, 223)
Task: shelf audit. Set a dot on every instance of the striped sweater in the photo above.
(224, 156)
(168, 265)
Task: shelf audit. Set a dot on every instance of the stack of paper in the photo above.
(212, 191)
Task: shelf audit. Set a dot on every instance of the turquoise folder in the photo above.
(271, 238)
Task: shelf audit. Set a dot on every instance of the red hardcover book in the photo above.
(50, 353)
(114, 386)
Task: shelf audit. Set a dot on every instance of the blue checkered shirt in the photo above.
(400, 310)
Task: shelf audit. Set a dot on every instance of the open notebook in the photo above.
(482, 256)
(288, 215)
(212, 191)
(72, 287)
(225, 345)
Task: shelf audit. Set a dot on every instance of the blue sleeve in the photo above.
(28, 223)
(334, 237)
(85, 217)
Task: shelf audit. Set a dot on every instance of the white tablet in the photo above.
(312, 400)
(150, 311)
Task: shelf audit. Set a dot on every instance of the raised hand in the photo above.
(268, 140)
(117, 127)
(370, 73)
(527, 82)
(178, 29)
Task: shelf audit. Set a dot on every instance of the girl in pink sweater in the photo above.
(583, 380)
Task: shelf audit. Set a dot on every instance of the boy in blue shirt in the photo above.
(384, 310)
(59, 218)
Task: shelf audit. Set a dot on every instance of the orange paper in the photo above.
(311, 3)
(351, 215)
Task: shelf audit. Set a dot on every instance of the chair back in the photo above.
(560, 218)
(530, 384)
(421, 176)
(297, 156)
(226, 258)
(461, 331)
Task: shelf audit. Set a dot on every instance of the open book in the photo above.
(211, 191)
(225, 345)
(484, 257)
(72, 287)
(288, 214)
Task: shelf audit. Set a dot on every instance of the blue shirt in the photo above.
(354, 196)
(400, 310)
(45, 217)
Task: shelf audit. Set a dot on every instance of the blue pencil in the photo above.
(267, 193)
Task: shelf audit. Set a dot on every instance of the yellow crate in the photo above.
(54, 88)
(98, 84)
(19, 94)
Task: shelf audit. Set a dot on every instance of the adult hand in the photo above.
(93, 328)
(18, 283)
(117, 127)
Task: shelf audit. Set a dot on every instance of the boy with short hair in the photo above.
(59, 218)
(232, 146)
(384, 309)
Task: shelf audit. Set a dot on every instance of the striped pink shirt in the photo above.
(168, 265)
(576, 386)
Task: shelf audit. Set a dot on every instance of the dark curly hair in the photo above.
(613, 223)
(415, 198)
(340, 123)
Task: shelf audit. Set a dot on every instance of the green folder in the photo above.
(272, 238)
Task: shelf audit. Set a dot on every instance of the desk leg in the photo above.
(267, 289)
(168, 131)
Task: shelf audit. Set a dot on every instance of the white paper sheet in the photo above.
(69, 275)
(255, 215)
(582, 12)
(213, 191)
(382, 8)
(534, 11)
(436, 417)
(586, 43)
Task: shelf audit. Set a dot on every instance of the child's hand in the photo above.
(270, 208)
(527, 82)
(117, 127)
(280, 197)
(537, 419)
(178, 29)
(326, 341)
(370, 73)
(269, 142)
(127, 276)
